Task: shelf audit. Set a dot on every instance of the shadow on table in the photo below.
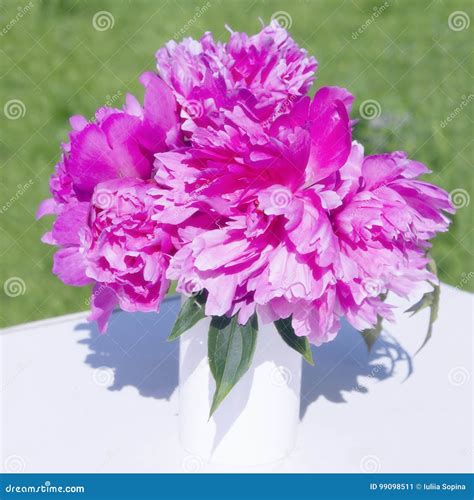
(339, 365)
(135, 348)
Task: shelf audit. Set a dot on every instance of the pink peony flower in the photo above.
(272, 245)
(230, 179)
(114, 243)
(304, 225)
(116, 143)
(226, 166)
(264, 260)
(207, 76)
(125, 249)
(386, 219)
(117, 147)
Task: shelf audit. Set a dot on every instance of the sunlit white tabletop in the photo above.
(73, 400)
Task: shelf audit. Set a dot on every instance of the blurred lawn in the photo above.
(57, 64)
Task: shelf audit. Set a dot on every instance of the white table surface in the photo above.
(75, 401)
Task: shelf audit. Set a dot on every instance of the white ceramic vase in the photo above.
(257, 422)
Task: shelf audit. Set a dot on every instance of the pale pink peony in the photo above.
(304, 225)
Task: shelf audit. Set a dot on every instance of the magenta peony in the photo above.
(107, 158)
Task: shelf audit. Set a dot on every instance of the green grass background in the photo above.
(57, 64)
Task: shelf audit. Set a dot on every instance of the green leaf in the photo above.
(431, 300)
(372, 334)
(434, 308)
(230, 350)
(425, 301)
(300, 344)
(190, 313)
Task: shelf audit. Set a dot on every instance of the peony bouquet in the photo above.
(251, 195)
